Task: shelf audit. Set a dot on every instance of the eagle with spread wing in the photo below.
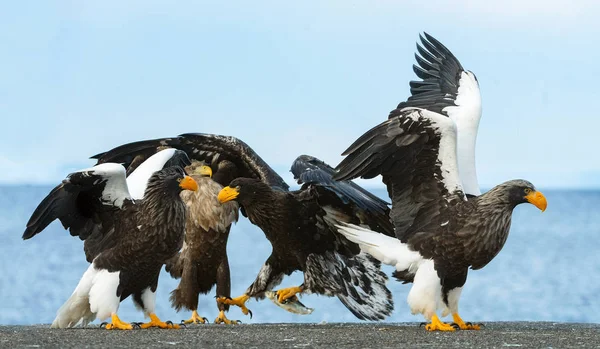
(425, 155)
(126, 241)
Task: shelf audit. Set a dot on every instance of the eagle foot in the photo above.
(238, 301)
(288, 293)
(195, 319)
(468, 326)
(155, 322)
(222, 319)
(116, 324)
(437, 325)
(465, 325)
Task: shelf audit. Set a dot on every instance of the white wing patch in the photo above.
(138, 179)
(466, 114)
(115, 190)
(446, 129)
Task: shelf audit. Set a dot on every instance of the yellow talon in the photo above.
(222, 319)
(155, 322)
(287, 293)
(238, 301)
(117, 324)
(437, 325)
(195, 319)
(464, 326)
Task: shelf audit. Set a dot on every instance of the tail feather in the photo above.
(186, 293)
(357, 281)
(77, 308)
(388, 250)
(366, 296)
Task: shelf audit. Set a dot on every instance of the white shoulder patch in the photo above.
(138, 179)
(115, 190)
(447, 157)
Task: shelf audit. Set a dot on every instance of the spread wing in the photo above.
(446, 87)
(209, 148)
(415, 152)
(87, 203)
(345, 196)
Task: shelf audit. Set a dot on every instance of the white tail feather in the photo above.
(77, 307)
(95, 294)
(388, 250)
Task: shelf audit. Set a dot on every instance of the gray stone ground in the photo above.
(403, 335)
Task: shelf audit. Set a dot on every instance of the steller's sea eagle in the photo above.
(127, 240)
(443, 226)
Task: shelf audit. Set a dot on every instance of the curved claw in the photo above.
(136, 325)
(205, 321)
(103, 325)
(249, 312)
(455, 325)
(422, 324)
(169, 322)
(181, 325)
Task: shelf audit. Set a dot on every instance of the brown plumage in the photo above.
(440, 233)
(300, 225)
(133, 239)
(203, 262)
(321, 201)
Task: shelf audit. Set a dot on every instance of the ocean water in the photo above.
(549, 270)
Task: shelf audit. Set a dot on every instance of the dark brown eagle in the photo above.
(127, 241)
(336, 267)
(441, 230)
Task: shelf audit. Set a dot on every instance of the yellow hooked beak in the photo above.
(537, 199)
(188, 183)
(227, 194)
(205, 171)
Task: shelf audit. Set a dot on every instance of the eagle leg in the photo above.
(155, 322)
(195, 319)
(117, 324)
(437, 325)
(238, 301)
(287, 293)
(465, 325)
(222, 319)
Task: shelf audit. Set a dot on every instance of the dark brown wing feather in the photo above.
(77, 203)
(440, 72)
(203, 147)
(405, 151)
(345, 196)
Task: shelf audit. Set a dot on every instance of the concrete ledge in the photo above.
(359, 335)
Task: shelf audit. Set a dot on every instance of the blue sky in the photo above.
(80, 77)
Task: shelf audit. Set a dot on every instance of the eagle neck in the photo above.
(264, 212)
